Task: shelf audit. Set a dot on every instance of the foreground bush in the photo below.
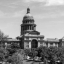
(52, 54)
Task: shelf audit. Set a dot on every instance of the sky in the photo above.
(48, 16)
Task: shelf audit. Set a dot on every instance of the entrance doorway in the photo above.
(34, 43)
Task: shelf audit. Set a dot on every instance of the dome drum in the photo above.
(28, 25)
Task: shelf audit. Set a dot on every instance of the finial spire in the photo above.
(28, 10)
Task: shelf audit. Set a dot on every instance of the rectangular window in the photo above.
(51, 43)
(56, 44)
(41, 42)
(41, 38)
(27, 38)
(27, 46)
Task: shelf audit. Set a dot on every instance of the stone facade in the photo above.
(30, 38)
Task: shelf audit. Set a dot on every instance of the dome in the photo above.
(28, 15)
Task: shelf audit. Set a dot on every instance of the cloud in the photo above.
(48, 2)
(18, 13)
(12, 15)
(34, 0)
(54, 2)
(2, 14)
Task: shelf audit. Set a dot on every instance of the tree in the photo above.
(54, 54)
(3, 37)
(12, 48)
(27, 51)
(33, 53)
(15, 46)
(42, 51)
(3, 54)
(48, 54)
(16, 58)
(60, 54)
(3, 51)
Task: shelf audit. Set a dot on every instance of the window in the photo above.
(41, 42)
(26, 21)
(44, 44)
(27, 46)
(27, 43)
(51, 43)
(41, 38)
(27, 38)
(24, 38)
(56, 44)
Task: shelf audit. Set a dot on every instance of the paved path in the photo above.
(29, 62)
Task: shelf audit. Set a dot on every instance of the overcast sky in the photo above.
(48, 15)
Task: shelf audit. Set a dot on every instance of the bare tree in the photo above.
(3, 36)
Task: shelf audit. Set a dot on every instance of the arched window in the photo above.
(34, 43)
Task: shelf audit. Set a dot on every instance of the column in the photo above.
(48, 44)
(5, 45)
(31, 27)
(29, 44)
(57, 45)
(34, 28)
(38, 44)
(23, 28)
(54, 44)
(28, 27)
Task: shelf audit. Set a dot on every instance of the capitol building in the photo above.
(31, 38)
